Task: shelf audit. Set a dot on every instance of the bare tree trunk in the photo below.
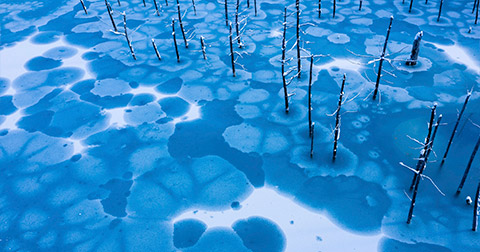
(110, 14)
(334, 7)
(255, 3)
(285, 93)
(237, 29)
(440, 10)
(475, 209)
(311, 140)
(194, 8)
(474, 6)
(118, 1)
(427, 146)
(202, 42)
(126, 36)
(232, 55)
(360, 7)
(156, 50)
(83, 6)
(144, 4)
(156, 7)
(181, 25)
(410, 8)
(415, 191)
(319, 8)
(415, 49)
(226, 12)
(310, 98)
(467, 169)
(299, 64)
(337, 121)
(455, 128)
(382, 58)
(175, 40)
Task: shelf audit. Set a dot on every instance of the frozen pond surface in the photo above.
(101, 152)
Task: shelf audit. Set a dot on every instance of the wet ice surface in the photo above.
(103, 153)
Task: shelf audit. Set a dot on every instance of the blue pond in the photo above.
(103, 152)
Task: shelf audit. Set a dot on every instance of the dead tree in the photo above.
(156, 7)
(166, 2)
(319, 8)
(118, 1)
(156, 50)
(334, 7)
(255, 5)
(237, 29)
(232, 55)
(382, 58)
(194, 8)
(83, 6)
(360, 5)
(175, 40)
(476, 15)
(337, 120)
(410, 8)
(475, 209)
(126, 36)
(440, 10)
(299, 64)
(226, 12)
(455, 128)
(474, 6)
(417, 182)
(310, 132)
(285, 92)
(311, 140)
(144, 4)
(427, 145)
(110, 14)
(412, 61)
(181, 24)
(202, 42)
(467, 169)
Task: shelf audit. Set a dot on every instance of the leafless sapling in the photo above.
(285, 92)
(118, 1)
(455, 128)
(226, 12)
(248, 3)
(126, 36)
(156, 7)
(156, 50)
(440, 10)
(427, 145)
(166, 2)
(382, 58)
(475, 209)
(412, 61)
(334, 7)
(360, 5)
(175, 40)
(110, 14)
(181, 24)
(467, 169)
(202, 42)
(255, 7)
(474, 5)
(319, 8)
(417, 182)
(83, 6)
(410, 8)
(476, 14)
(144, 4)
(337, 119)
(310, 98)
(194, 7)
(237, 25)
(232, 55)
(299, 64)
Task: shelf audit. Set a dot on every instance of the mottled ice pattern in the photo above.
(99, 152)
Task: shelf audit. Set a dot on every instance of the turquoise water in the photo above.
(100, 152)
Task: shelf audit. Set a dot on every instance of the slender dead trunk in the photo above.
(377, 83)
(248, 3)
(126, 36)
(410, 8)
(337, 120)
(360, 6)
(310, 98)
(166, 2)
(156, 50)
(455, 128)
(285, 93)
(255, 5)
(311, 140)
(334, 7)
(474, 6)
(299, 64)
(440, 10)
(110, 14)
(237, 29)
(194, 7)
(118, 1)
(415, 49)
(475, 209)
(417, 182)
(427, 145)
(319, 8)
(226, 12)
(156, 7)
(144, 4)
(426, 1)
(476, 15)
(181, 24)
(202, 42)
(83, 6)
(232, 55)
(467, 169)
(175, 40)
